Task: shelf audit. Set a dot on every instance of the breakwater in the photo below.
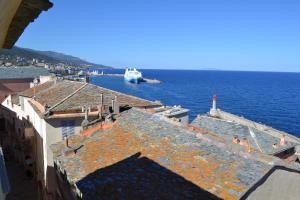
(146, 80)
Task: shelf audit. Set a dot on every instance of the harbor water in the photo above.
(267, 97)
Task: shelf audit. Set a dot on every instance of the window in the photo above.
(67, 128)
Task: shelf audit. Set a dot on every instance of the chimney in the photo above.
(85, 121)
(68, 151)
(112, 104)
(86, 113)
(99, 108)
(66, 141)
(101, 99)
(282, 140)
(115, 106)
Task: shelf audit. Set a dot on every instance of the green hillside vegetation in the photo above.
(25, 56)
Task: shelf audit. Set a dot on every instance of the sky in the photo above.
(250, 35)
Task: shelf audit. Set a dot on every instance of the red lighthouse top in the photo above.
(215, 98)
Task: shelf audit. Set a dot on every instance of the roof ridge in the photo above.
(64, 99)
(121, 93)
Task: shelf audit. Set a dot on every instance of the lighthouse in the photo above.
(213, 111)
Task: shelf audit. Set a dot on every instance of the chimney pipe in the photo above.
(112, 104)
(282, 140)
(86, 114)
(101, 99)
(116, 107)
(66, 140)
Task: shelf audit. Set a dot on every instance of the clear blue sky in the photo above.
(261, 35)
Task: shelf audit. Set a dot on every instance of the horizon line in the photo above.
(204, 69)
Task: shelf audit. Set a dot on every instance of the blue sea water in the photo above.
(266, 97)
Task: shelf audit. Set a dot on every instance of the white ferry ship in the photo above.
(132, 75)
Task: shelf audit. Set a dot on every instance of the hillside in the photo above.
(25, 56)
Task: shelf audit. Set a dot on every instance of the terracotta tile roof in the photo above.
(143, 157)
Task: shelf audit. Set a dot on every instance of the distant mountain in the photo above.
(46, 56)
(210, 69)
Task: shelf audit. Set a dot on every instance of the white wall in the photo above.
(49, 130)
(54, 134)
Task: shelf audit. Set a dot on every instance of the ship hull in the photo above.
(133, 80)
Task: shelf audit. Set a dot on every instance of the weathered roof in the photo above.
(22, 72)
(16, 17)
(64, 96)
(145, 157)
(90, 95)
(261, 141)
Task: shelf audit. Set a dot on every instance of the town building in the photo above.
(175, 114)
(17, 79)
(264, 139)
(145, 157)
(49, 112)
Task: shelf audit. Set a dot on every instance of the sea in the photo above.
(271, 98)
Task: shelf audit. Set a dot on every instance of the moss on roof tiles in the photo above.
(228, 129)
(111, 159)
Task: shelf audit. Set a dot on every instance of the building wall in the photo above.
(281, 184)
(4, 182)
(50, 132)
(12, 86)
(54, 133)
(46, 132)
(2, 194)
(15, 124)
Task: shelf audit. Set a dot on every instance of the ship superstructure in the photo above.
(133, 75)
